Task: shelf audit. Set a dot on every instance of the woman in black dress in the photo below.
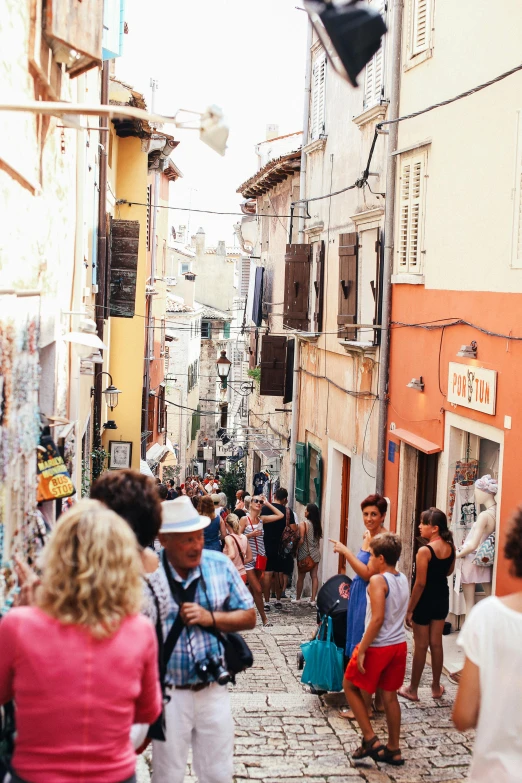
(429, 602)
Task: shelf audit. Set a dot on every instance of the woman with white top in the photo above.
(489, 692)
(252, 526)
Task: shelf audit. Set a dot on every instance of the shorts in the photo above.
(385, 668)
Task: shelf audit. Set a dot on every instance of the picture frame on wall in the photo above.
(120, 454)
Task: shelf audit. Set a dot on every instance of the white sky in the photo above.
(247, 56)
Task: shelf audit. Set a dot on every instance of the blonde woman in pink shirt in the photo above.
(81, 664)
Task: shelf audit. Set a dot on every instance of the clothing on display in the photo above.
(472, 573)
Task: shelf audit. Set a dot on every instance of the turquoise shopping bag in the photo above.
(324, 668)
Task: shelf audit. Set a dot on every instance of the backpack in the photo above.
(290, 538)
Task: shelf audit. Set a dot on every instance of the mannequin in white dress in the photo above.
(485, 491)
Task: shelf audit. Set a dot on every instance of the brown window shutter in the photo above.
(273, 365)
(297, 287)
(150, 420)
(125, 240)
(252, 359)
(377, 287)
(348, 267)
(80, 27)
(319, 285)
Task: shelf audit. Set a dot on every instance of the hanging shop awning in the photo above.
(144, 468)
(421, 444)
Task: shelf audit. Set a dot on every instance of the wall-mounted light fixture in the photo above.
(111, 393)
(468, 351)
(416, 383)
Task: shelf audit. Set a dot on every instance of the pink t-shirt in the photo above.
(76, 697)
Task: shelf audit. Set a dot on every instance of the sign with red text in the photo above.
(472, 387)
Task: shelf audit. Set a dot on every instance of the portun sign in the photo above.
(472, 387)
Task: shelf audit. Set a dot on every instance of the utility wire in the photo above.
(122, 201)
(457, 322)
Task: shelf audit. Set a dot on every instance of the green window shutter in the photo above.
(301, 473)
(226, 331)
(318, 480)
(196, 424)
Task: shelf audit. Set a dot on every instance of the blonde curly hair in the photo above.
(91, 570)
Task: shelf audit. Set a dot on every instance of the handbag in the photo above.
(289, 543)
(324, 661)
(238, 655)
(261, 560)
(485, 554)
(305, 565)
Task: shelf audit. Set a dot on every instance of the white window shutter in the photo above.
(374, 77)
(318, 98)
(404, 216)
(409, 244)
(421, 24)
(516, 256)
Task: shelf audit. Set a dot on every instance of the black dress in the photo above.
(434, 601)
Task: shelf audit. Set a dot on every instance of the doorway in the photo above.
(345, 509)
(418, 491)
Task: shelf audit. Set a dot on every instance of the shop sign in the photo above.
(472, 387)
(224, 450)
(54, 481)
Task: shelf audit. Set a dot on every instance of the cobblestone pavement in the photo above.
(285, 734)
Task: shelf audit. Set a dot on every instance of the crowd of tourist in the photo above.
(146, 586)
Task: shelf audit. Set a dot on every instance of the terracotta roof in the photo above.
(270, 175)
(176, 305)
(124, 95)
(212, 313)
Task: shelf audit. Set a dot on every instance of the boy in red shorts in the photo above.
(379, 661)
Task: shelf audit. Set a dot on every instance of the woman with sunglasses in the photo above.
(252, 526)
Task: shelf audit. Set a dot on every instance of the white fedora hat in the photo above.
(180, 516)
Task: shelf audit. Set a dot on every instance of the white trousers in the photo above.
(201, 719)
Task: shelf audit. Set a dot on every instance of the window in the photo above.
(516, 257)
(273, 365)
(301, 473)
(374, 76)
(150, 337)
(196, 424)
(162, 418)
(411, 213)
(206, 330)
(149, 224)
(184, 267)
(420, 23)
(318, 255)
(308, 474)
(317, 112)
(162, 337)
(125, 237)
(226, 331)
(297, 286)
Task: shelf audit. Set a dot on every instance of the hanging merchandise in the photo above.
(464, 472)
(54, 481)
(464, 511)
(461, 515)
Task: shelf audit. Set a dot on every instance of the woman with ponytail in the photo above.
(429, 602)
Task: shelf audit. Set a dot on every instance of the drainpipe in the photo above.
(102, 297)
(389, 222)
(302, 211)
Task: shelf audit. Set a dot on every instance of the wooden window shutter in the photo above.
(125, 240)
(301, 473)
(319, 285)
(150, 420)
(377, 286)
(252, 352)
(77, 26)
(289, 379)
(420, 26)
(374, 77)
(297, 286)
(516, 256)
(273, 365)
(348, 272)
(411, 191)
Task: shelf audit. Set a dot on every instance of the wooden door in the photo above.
(345, 508)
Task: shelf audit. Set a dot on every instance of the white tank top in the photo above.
(392, 630)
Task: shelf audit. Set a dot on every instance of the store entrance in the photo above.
(417, 492)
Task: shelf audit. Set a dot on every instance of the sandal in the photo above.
(370, 748)
(268, 624)
(389, 756)
(346, 713)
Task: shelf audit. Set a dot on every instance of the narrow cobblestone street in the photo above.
(285, 734)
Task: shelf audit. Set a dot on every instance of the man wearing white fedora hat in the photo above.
(206, 592)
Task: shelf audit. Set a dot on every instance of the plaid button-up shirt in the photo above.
(225, 591)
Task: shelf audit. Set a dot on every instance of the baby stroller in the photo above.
(332, 601)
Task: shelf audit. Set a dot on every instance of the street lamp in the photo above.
(223, 366)
(111, 392)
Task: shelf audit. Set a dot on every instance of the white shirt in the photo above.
(492, 640)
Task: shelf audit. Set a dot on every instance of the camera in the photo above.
(212, 667)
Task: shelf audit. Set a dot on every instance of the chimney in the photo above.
(272, 132)
(200, 242)
(221, 249)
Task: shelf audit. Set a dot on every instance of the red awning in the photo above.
(421, 444)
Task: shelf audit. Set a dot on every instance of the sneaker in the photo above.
(296, 601)
(278, 605)
(267, 607)
(313, 604)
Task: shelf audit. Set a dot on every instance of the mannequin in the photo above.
(485, 490)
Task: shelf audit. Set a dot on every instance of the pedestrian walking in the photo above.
(212, 531)
(172, 492)
(236, 546)
(253, 527)
(206, 593)
(488, 698)
(374, 509)
(163, 492)
(277, 565)
(429, 602)
(309, 552)
(379, 660)
(74, 711)
(243, 511)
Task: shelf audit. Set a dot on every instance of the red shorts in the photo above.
(385, 668)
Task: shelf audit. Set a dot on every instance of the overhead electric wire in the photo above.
(123, 201)
(431, 326)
